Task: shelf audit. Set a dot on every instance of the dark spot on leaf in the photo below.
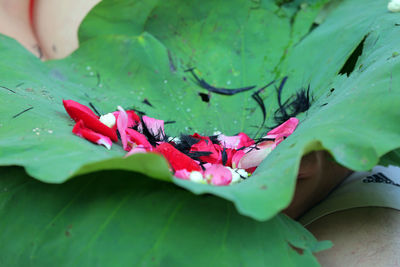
(129, 73)
(30, 90)
(171, 62)
(8, 89)
(169, 122)
(22, 112)
(98, 78)
(351, 62)
(300, 251)
(147, 102)
(18, 85)
(205, 97)
(332, 89)
(94, 109)
(397, 24)
(282, 2)
(394, 55)
(263, 187)
(67, 233)
(324, 104)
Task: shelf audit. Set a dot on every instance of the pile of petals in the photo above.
(216, 159)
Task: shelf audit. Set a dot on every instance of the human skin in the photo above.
(54, 30)
(318, 175)
(15, 22)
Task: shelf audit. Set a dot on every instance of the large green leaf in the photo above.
(135, 221)
(231, 45)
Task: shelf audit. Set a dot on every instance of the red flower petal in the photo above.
(236, 158)
(200, 137)
(79, 112)
(245, 140)
(177, 159)
(205, 145)
(81, 131)
(75, 110)
(134, 137)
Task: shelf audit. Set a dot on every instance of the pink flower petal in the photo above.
(81, 131)
(235, 142)
(156, 127)
(136, 150)
(122, 125)
(229, 141)
(218, 174)
(133, 118)
(256, 156)
(182, 174)
(283, 130)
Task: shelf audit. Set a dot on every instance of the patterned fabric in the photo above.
(377, 188)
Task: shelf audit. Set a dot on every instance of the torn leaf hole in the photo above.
(299, 251)
(205, 97)
(313, 27)
(351, 62)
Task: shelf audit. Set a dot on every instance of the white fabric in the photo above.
(377, 188)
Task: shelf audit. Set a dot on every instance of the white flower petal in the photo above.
(108, 119)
